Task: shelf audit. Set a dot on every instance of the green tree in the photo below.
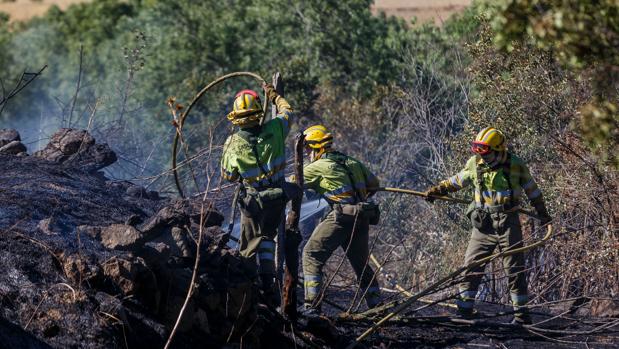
(583, 36)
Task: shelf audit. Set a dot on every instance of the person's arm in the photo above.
(228, 168)
(284, 110)
(462, 179)
(312, 176)
(371, 181)
(534, 194)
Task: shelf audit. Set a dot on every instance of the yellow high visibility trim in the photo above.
(482, 134)
(265, 176)
(488, 135)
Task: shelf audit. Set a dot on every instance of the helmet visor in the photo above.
(480, 148)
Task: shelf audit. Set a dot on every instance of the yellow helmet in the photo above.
(246, 110)
(489, 139)
(317, 137)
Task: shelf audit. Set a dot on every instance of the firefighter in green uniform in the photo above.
(255, 155)
(500, 178)
(343, 181)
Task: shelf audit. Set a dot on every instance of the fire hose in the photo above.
(375, 261)
(415, 297)
(181, 119)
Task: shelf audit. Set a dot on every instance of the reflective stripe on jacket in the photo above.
(238, 157)
(496, 185)
(329, 179)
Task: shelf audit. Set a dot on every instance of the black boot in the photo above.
(270, 291)
(522, 318)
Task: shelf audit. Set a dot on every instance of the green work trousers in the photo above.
(258, 234)
(336, 230)
(492, 230)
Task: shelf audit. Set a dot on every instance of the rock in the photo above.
(121, 237)
(176, 214)
(212, 216)
(52, 226)
(15, 148)
(131, 276)
(79, 268)
(45, 226)
(8, 135)
(10, 142)
(605, 308)
(77, 148)
(133, 220)
(90, 231)
(137, 191)
(155, 254)
(183, 243)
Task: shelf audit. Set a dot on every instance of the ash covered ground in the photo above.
(93, 263)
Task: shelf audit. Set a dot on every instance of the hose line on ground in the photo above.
(181, 120)
(410, 300)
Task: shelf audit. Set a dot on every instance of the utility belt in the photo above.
(504, 208)
(253, 201)
(509, 207)
(367, 210)
(481, 217)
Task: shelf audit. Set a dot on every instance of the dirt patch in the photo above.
(435, 11)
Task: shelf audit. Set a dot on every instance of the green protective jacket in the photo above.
(330, 179)
(239, 160)
(501, 186)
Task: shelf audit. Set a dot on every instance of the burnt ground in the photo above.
(438, 326)
(92, 263)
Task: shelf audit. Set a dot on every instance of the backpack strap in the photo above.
(479, 183)
(253, 142)
(506, 166)
(351, 178)
(507, 170)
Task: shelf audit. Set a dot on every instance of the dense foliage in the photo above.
(137, 53)
(581, 35)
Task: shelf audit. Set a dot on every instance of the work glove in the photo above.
(270, 92)
(542, 213)
(437, 190)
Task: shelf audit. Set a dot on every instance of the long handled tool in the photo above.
(440, 197)
(293, 238)
(235, 202)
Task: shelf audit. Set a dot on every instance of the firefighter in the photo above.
(255, 155)
(500, 179)
(343, 181)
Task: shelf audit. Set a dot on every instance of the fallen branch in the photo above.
(431, 288)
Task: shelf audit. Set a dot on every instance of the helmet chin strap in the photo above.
(316, 154)
(494, 158)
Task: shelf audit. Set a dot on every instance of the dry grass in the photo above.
(424, 10)
(20, 10)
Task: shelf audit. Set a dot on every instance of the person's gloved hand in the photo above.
(270, 92)
(436, 190)
(542, 213)
(545, 219)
